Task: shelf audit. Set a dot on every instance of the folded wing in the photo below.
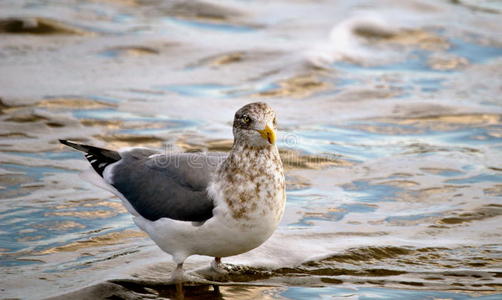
(166, 185)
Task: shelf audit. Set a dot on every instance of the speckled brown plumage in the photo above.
(252, 176)
(248, 175)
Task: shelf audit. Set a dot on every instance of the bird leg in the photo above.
(217, 265)
(177, 277)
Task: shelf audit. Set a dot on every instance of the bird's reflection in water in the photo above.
(209, 291)
(199, 292)
(185, 291)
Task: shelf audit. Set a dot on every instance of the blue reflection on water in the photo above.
(48, 155)
(475, 53)
(477, 179)
(429, 85)
(363, 191)
(218, 90)
(335, 140)
(44, 233)
(474, 136)
(226, 27)
(449, 173)
(114, 114)
(357, 208)
(310, 199)
(415, 217)
(30, 229)
(36, 172)
(203, 90)
(307, 293)
(364, 140)
(416, 61)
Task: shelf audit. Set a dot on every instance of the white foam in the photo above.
(344, 43)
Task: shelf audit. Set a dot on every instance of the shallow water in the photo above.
(390, 132)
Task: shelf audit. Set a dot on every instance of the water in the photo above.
(390, 132)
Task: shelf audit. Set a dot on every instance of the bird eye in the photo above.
(246, 119)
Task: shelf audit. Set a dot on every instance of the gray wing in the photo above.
(167, 185)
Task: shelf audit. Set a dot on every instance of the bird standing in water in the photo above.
(214, 204)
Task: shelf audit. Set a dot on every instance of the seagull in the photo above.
(208, 203)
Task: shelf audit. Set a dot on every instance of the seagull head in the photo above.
(255, 125)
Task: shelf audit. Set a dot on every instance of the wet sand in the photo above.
(390, 132)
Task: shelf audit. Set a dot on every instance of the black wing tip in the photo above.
(68, 143)
(75, 146)
(99, 158)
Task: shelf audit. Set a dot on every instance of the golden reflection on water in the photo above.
(39, 26)
(77, 203)
(400, 175)
(494, 191)
(446, 62)
(432, 123)
(107, 239)
(249, 292)
(60, 225)
(222, 59)
(25, 116)
(108, 124)
(477, 214)
(30, 238)
(116, 206)
(429, 194)
(400, 183)
(436, 123)
(118, 141)
(189, 144)
(380, 129)
(132, 51)
(205, 12)
(299, 86)
(460, 119)
(417, 38)
(121, 2)
(62, 210)
(297, 182)
(73, 103)
(13, 179)
(293, 159)
(95, 214)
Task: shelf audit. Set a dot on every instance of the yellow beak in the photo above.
(268, 134)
